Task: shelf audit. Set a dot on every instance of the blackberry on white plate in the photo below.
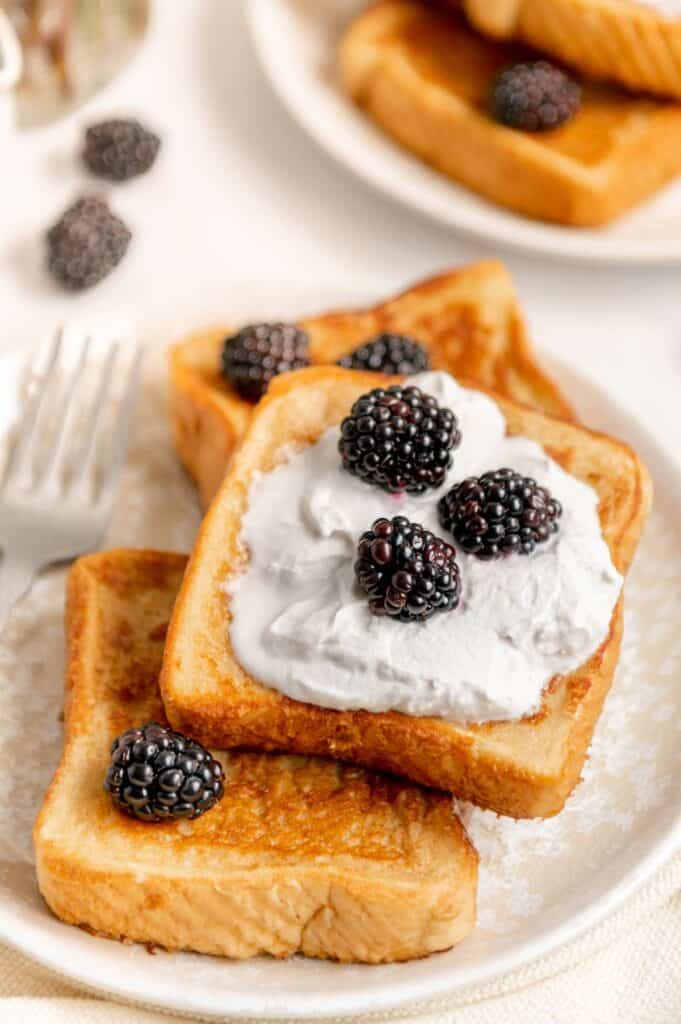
(119, 149)
(86, 243)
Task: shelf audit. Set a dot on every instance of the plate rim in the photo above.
(562, 244)
(96, 976)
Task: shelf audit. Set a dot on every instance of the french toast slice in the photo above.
(301, 855)
(419, 71)
(469, 320)
(523, 768)
(628, 43)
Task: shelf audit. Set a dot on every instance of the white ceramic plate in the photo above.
(542, 884)
(296, 41)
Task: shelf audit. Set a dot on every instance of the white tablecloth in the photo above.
(241, 195)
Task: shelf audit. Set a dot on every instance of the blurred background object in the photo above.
(71, 48)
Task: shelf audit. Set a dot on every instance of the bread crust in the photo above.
(625, 43)
(522, 769)
(425, 78)
(469, 320)
(302, 854)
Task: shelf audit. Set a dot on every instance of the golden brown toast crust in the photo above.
(524, 769)
(624, 42)
(301, 855)
(426, 78)
(468, 319)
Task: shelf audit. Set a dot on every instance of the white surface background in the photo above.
(239, 193)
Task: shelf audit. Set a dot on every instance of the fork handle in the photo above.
(15, 579)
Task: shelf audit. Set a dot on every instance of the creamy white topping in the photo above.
(300, 625)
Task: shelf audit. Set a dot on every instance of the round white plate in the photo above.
(542, 883)
(296, 42)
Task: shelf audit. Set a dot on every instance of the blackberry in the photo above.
(251, 358)
(399, 438)
(499, 513)
(85, 244)
(407, 572)
(535, 97)
(388, 353)
(119, 150)
(156, 773)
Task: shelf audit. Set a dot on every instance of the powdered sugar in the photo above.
(636, 752)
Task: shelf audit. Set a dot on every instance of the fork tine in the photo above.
(26, 428)
(119, 442)
(53, 467)
(88, 454)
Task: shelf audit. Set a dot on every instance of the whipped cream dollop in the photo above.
(301, 625)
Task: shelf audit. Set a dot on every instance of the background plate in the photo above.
(542, 883)
(296, 42)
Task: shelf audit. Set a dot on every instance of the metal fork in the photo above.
(59, 483)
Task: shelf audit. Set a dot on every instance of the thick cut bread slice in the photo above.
(525, 768)
(627, 43)
(469, 320)
(426, 78)
(301, 855)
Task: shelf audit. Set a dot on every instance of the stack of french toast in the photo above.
(566, 111)
(407, 588)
